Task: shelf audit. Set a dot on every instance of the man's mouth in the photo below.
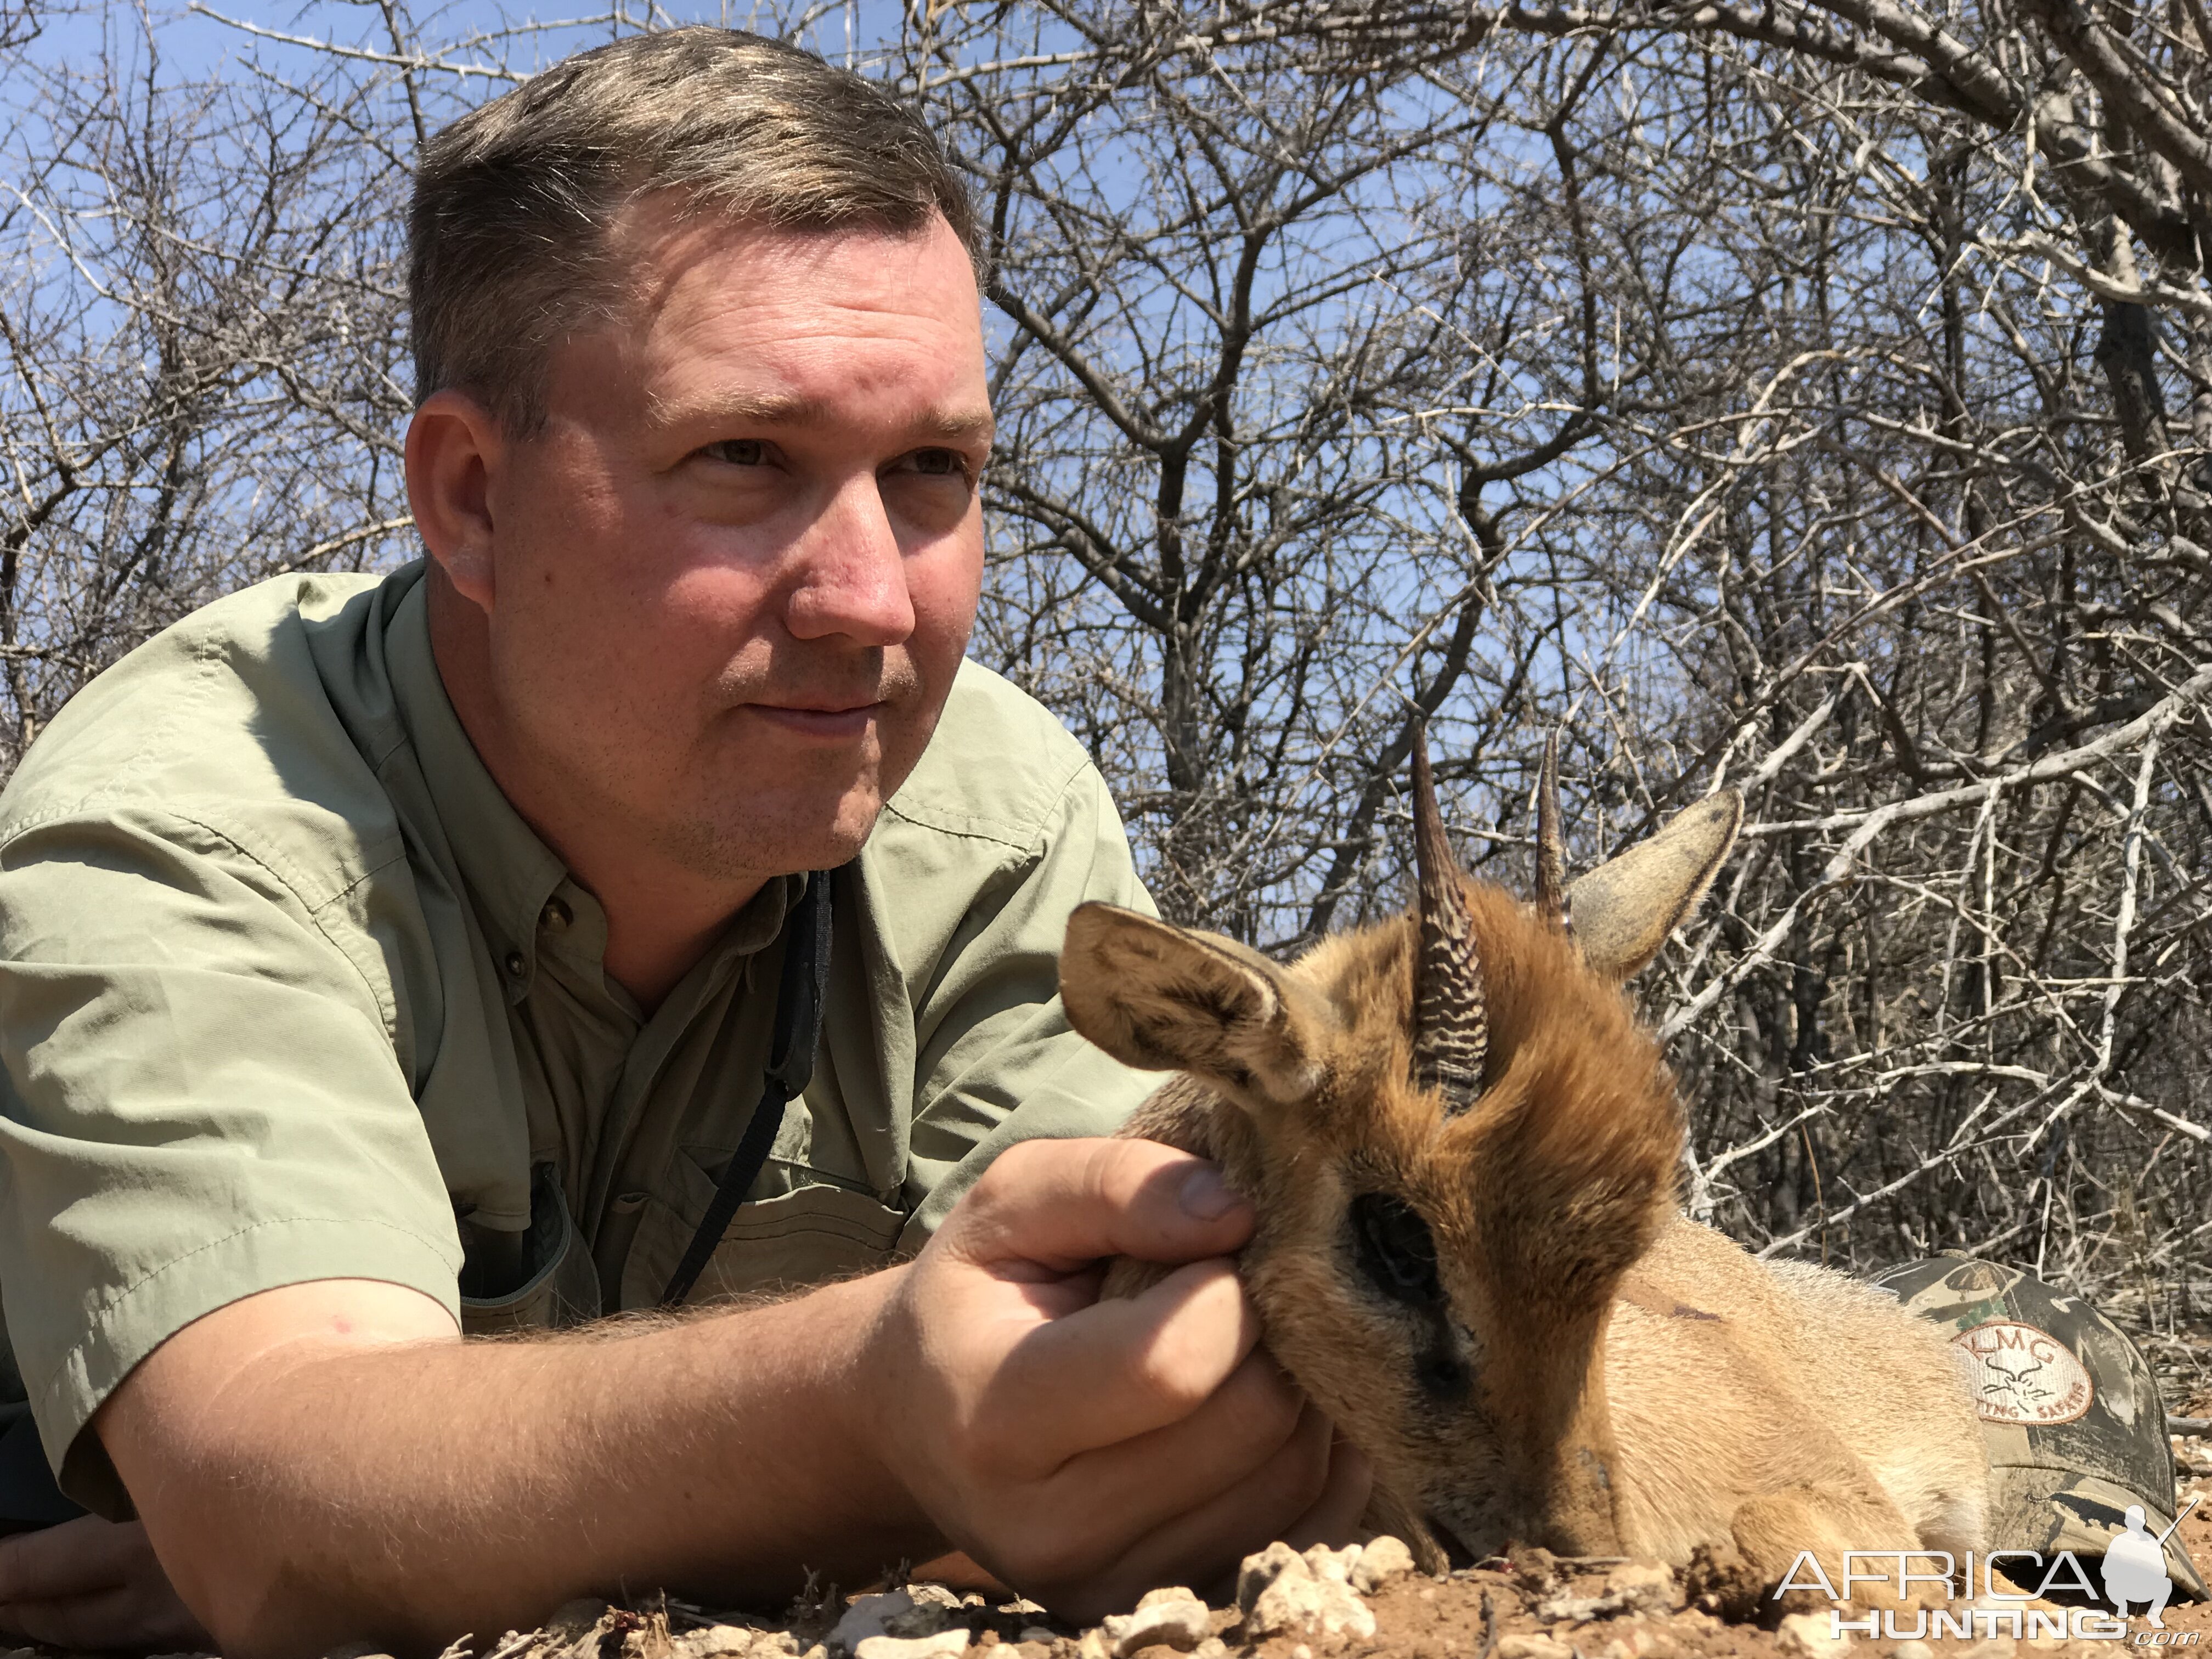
(830, 724)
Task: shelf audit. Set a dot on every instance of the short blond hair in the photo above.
(509, 235)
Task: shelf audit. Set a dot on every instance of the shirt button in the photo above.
(515, 965)
(555, 916)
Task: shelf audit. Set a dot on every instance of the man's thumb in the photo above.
(1064, 1203)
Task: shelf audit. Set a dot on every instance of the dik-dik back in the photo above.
(1461, 1149)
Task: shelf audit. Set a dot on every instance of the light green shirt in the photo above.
(289, 991)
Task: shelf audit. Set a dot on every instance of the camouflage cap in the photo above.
(2075, 1428)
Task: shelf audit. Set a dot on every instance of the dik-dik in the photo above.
(1462, 1151)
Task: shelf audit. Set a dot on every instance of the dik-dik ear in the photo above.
(1164, 998)
(1624, 910)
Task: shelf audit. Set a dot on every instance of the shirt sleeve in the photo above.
(995, 1059)
(200, 1099)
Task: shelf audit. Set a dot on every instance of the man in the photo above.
(2135, 1571)
(383, 959)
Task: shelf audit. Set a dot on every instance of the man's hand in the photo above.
(89, 1584)
(1087, 1451)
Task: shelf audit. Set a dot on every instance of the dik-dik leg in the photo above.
(1773, 1530)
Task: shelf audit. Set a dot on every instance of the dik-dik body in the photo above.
(1462, 1151)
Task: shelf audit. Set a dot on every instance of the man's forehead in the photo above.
(735, 321)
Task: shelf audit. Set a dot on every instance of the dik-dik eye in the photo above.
(1395, 1249)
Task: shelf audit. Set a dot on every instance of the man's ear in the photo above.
(455, 446)
(1164, 998)
(1622, 911)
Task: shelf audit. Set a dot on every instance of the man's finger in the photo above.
(1145, 1483)
(74, 1558)
(1061, 1534)
(90, 1583)
(1117, 1370)
(1058, 1204)
(1336, 1515)
(1206, 1543)
(120, 1617)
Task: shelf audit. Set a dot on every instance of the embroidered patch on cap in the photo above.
(2023, 1375)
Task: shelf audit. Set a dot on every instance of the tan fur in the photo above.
(1603, 1375)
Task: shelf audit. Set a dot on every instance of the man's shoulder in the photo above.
(998, 769)
(256, 716)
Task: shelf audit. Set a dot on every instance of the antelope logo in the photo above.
(1462, 1150)
(2023, 1375)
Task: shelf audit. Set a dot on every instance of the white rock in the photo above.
(916, 1611)
(1335, 1566)
(1632, 1587)
(1281, 1591)
(1152, 1598)
(714, 1640)
(1212, 1648)
(1180, 1624)
(1989, 1647)
(945, 1644)
(1643, 1587)
(1533, 1647)
(1093, 1645)
(1912, 1648)
(1383, 1559)
(1298, 1601)
(1262, 1569)
(1810, 1636)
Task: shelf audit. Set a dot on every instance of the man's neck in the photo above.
(661, 917)
(655, 934)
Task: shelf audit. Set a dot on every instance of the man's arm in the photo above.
(330, 1461)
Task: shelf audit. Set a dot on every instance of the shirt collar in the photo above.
(510, 874)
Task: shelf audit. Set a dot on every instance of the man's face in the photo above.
(735, 573)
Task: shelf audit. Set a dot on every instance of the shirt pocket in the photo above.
(561, 1286)
(808, 1236)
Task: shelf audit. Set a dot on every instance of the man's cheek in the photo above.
(944, 585)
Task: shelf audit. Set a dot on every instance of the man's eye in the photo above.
(737, 451)
(939, 462)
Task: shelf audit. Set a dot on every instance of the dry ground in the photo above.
(1504, 1610)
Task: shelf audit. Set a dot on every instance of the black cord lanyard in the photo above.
(791, 1047)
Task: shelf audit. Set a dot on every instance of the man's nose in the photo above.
(853, 576)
